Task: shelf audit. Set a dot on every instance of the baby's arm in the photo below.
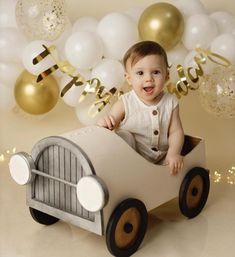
(114, 117)
(175, 140)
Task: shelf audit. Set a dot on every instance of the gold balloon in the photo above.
(162, 23)
(33, 97)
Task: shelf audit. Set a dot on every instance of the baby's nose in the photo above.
(148, 77)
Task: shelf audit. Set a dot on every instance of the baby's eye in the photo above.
(156, 72)
(139, 73)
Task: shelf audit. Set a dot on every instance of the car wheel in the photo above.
(42, 217)
(194, 191)
(126, 227)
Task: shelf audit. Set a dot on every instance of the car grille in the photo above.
(59, 162)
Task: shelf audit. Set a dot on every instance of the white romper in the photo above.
(148, 124)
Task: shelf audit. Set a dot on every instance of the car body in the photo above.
(93, 179)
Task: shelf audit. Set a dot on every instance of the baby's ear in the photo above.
(127, 77)
(167, 75)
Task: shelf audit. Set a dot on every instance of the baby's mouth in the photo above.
(148, 89)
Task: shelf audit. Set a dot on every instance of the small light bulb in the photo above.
(2, 158)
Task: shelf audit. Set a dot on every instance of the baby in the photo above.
(148, 113)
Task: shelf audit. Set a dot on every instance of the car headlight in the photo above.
(21, 165)
(92, 193)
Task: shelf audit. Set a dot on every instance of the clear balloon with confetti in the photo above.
(41, 19)
(217, 92)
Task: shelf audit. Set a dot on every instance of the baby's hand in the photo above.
(107, 122)
(175, 163)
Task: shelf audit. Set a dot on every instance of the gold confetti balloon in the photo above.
(217, 92)
(36, 98)
(41, 19)
(162, 23)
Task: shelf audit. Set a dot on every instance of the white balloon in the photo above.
(118, 32)
(225, 21)
(190, 62)
(224, 45)
(60, 42)
(85, 23)
(199, 31)
(233, 32)
(9, 72)
(189, 59)
(190, 7)
(11, 45)
(7, 100)
(110, 73)
(84, 49)
(135, 13)
(86, 74)
(176, 56)
(7, 13)
(33, 49)
(82, 111)
(71, 97)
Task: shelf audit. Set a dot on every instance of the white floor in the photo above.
(211, 234)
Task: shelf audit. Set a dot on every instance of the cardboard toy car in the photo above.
(93, 179)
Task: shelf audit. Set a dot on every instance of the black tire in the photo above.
(194, 192)
(42, 217)
(126, 228)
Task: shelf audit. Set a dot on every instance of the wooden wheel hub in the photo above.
(194, 192)
(127, 228)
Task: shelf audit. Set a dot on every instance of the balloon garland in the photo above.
(90, 47)
(187, 81)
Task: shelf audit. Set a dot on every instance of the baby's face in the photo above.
(147, 77)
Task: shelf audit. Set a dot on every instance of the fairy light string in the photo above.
(7, 154)
(226, 177)
(231, 176)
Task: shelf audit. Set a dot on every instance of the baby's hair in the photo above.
(142, 49)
